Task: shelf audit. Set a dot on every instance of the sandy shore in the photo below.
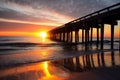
(49, 71)
(98, 74)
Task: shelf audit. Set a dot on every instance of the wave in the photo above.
(6, 40)
(29, 44)
(54, 58)
(24, 44)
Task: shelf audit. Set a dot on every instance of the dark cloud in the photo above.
(73, 8)
(11, 14)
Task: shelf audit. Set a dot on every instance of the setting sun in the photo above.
(43, 34)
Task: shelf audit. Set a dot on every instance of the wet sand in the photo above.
(98, 66)
(98, 74)
(51, 71)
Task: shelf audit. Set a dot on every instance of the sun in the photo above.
(43, 34)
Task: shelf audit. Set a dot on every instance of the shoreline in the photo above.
(16, 73)
(71, 55)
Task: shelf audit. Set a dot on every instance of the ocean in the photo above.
(21, 50)
(35, 58)
(18, 50)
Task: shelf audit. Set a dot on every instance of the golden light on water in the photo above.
(48, 75)
(46, 69)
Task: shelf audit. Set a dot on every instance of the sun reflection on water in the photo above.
(47, 73)
(43, 40)
(38, 71)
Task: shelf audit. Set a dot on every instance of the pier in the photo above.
(96, 20)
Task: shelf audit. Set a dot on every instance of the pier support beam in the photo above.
(97, 37)
(102, 59)
(68, 36)
(76, 36)
(60, 36)
(102, 44)
(57, 36)
(71, 36)
(102, 35)
(112, 36)
(113, 58)
(91, 34)
(63, 36)
(86, 38)
(82, 35)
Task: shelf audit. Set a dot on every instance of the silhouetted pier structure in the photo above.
(95, 20)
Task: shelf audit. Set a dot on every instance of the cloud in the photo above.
(28, 22)
(26, 12)
(53, 10)
(22, 27)
(47, 12)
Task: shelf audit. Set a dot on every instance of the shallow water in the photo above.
(21, 50)
(34, 58)
(98, 66)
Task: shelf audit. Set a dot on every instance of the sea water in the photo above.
(22, 50)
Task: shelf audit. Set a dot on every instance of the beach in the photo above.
(49, 71)
(23, 59)
(59, 39)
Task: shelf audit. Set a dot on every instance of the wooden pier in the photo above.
(95, 20)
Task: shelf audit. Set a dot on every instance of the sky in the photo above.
(22, 17)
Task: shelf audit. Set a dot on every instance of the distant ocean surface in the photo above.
(20, 50)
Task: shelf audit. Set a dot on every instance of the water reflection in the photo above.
(91, 61)
(65, 68)
(38, 71)
(43, 40)
(46, 71)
